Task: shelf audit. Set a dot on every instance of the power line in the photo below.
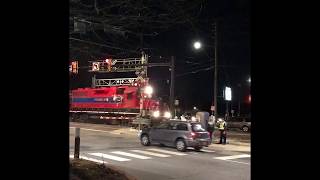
(207, 68)
(195, 71)
(102, 45)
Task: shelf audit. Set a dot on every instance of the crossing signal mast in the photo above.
(141, 81)
(137, 65)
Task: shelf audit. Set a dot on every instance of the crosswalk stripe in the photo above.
(238, 162)
(233, 157)
(151, 153)
(204, 150)
(97, 130)
(168, 152)
(107, 156)
(89, 159)
(131, 155)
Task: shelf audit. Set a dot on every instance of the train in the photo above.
(113, 104)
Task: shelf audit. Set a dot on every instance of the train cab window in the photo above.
(129, 96)
(120, 90)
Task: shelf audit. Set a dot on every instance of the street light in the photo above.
(197, 45)
(249, 80)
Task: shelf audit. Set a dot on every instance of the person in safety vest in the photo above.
(222, 126)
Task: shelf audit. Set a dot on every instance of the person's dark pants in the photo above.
(210, 134)
(223, 137)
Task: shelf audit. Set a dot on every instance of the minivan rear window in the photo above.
(197, 128)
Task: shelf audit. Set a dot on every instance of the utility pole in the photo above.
(215, 70)
(93, 81)
(77, 144)
(239, 99)
(171, 99)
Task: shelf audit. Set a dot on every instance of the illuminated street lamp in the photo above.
(197, 45)
(249, 80)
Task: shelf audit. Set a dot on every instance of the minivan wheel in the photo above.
(181, 145)
(145, 140)
(245, 128)
(198, 148)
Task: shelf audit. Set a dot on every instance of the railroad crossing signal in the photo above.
(109, 64)
(73, 67)
(95, 66)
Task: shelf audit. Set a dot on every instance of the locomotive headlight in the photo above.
(156, 114)
(167, 114)
(148, 90)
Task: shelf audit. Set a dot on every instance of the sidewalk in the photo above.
(232, 145)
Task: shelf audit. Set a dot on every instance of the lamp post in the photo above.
(197, 45)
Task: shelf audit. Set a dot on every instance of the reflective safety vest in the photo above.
(222, 125)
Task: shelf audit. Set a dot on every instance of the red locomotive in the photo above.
(120, 98)
(116, 102)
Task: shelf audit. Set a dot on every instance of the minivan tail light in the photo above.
(193, 135)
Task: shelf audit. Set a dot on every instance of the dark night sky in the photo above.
(196, 89)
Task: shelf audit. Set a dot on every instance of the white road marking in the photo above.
(204, 150)
(238, 162)
(89, 159)
(167, 152)
(97, 130)
(233, 157)
(131, 155)
(151, 153)
(107, 156)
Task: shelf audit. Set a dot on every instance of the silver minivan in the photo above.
(179, 134)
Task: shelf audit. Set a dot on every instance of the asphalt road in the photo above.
(160, 163)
